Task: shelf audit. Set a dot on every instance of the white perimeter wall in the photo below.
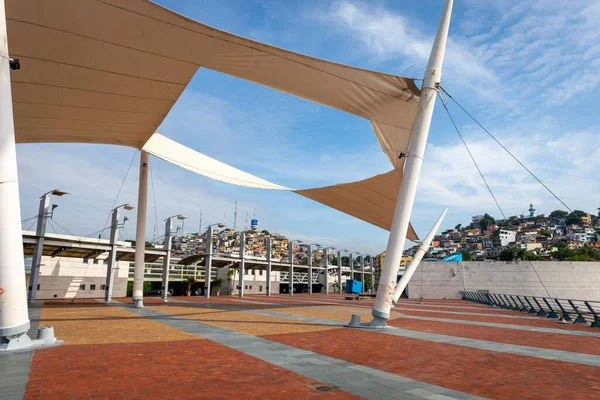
(575, 280)
(61, 277)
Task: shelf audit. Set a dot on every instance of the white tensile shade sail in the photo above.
(371, 200)
(108, 71)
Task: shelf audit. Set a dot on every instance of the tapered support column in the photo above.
(269, 264)
(291, 272)
(112, 255)
(14, 319)
(325, 257)
(310, 269)
(412, 170)
(140, 236)
(421, 251)
(372, 276)
(339, 272)
(242, 269)
(166, 260)
(351, 265)
(362, 273)
(40, 232)
(208, 265)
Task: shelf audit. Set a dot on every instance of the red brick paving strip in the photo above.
(195, 369)
(555, 341)
(479, 372)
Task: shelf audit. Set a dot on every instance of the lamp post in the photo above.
(339, 265)
(40, 232)
(351, 263)
(291, 256)
(209, 255)
(242, 264)
(112, 254)
(167, 257)
(326, 258)
(310, 270)
(269, 254)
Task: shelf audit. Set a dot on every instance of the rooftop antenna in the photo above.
(246, 227)
(200, 226)
(235, 217)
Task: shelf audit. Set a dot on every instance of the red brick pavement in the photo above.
(479, 372)
(194, 369)
(555, 341)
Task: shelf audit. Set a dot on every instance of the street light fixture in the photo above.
(167, 256)
(112, 254)
(208, 260)
(291, 257)
(40, 233)
(310, 271)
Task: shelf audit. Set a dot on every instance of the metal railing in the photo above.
(565, 310)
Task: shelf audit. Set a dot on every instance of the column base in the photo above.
(18, 343)
(138, 303)
(376, 323)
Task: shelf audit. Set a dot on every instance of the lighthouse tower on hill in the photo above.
(531, 211)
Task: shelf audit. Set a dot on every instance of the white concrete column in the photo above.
(412, 170)
(40, 233)
(269, 250)
(326, 278)
(362, 272)
(166, 260)
(351, 265)
(208, 262)
(310, 270)
(14, 319)
(242, 269)
(140, 235)
(339, 270)
(112, 254)
(291, 256)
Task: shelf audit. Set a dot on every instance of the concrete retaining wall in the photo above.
(575, 280)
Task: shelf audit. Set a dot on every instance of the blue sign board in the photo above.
(453, 257)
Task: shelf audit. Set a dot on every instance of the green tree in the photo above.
(265, 232)
(558, 214)
(467, 256)
(457, 227)
(544, 232)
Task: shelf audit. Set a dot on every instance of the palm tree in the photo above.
(217, 283)
(188, 282)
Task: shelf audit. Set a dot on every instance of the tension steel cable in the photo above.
(471, 155)
(118, 193)
(505, 149)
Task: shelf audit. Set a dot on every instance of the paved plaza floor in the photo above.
(283, 347)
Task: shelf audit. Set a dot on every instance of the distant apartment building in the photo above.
(502, 238)
(379, 259)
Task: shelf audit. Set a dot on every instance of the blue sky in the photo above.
(528, 70)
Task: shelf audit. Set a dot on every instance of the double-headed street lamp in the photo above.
(351, 263)
(339, 265)
(40, 232)
(167, 257)
(112, 254)
(310, 270)
(209, 255)
(291, 256)
(326, 258)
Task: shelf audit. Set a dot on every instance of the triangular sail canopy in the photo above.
(109, 71)
(372, 200)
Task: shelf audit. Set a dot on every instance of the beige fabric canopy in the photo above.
(372, 200)
(109, 71)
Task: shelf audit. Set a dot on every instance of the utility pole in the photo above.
(235, 216)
